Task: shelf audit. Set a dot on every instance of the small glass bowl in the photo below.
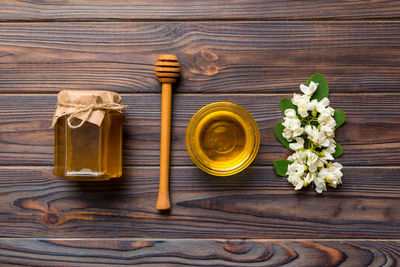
(222, 138)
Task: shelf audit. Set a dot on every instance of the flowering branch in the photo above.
(308, 130)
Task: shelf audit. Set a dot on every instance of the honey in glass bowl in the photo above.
(222, 138)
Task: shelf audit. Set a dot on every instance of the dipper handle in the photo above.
(167, 70)
(163, 202)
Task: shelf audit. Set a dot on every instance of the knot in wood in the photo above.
(208, 55)
(50, 218)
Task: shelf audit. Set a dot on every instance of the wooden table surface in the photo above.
(251, 52)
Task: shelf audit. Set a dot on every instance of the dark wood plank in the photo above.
(263, 57)
(371, 135)
(204, 252)
(196, 10)
(253, 204)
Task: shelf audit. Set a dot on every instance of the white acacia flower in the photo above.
(290, 113)
(298, 145)
(327, 153)
(292, 128)
(325, 156)
(295, 181)
(332, 147)
(296, 168)
(330, 110)
(317, 137)
(309, 90)
(314, 165)
(328, 131)
(323, 106)
(320, 184)
(312, 160)
(298, 156)
(312, 105)
(295, 173)
(302, 103)
(332, 174)
(309, 178)
(299, 185)
(325, 119)
(320, 163)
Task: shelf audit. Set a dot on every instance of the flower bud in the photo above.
(314, 113)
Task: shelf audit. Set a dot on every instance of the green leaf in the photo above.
(281, 166)
(338, 152)
(340, 118)
(278, 132)
(286, 103)
(323, 88)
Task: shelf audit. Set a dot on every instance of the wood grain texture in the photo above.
(204, 252)
(228, 57)
(253, 52)
(196, 10)
(26, 139)
(253, 204)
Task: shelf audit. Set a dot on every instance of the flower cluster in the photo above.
(311, 130)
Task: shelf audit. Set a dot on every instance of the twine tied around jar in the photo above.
(87, 110)
(87, 106)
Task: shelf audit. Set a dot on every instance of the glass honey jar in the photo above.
(88, 135)
(222, 138)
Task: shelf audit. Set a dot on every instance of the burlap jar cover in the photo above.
(87, 106)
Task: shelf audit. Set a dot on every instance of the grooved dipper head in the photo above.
(167, 68)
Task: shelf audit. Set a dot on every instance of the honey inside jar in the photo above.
(222, 138)
(89, 152)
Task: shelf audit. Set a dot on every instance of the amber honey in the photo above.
(89, 152)
(222, 138)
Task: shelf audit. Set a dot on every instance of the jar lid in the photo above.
(87, 106)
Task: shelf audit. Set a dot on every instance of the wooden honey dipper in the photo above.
(167, 70)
